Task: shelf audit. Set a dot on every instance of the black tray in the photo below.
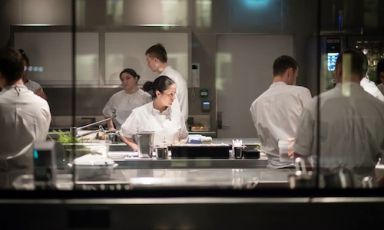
(200, 151)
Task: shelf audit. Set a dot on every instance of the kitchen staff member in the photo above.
(156, 56)
(351, 122)
(276, 112)
(31, 85)
(371, 88)
(123, 102)
(24, 118)
(380, 75)
(158, 116)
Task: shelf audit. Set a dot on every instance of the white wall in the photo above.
(243, 72)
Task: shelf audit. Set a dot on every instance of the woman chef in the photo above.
(158, 116)
(121, 104)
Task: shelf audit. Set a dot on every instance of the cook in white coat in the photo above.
(380, 75)
(24, 118)
(351, 125)
(156, 56)
(158, 116)
(371, 88)
(123, 102)
(276, 112)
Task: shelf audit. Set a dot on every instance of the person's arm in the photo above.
(183, 133)
(304, 139)
(110, 125)
(306, 97)
(128, 129)
(108, 112)
(130, 142)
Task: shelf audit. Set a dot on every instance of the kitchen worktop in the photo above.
(123, 179)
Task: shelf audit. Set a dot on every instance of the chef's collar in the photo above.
(278, 83)
(167, 112)
(166, 68)
(14, 86)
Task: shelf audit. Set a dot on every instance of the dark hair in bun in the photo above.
(160, 84)
(131, 72)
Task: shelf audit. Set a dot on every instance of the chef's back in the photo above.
(24, 119)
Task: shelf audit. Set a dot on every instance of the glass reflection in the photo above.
(115, 11)
(223, 62)
(203, 13)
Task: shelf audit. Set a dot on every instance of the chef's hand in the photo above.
(291, 154)
(130, 142)
(134, 147)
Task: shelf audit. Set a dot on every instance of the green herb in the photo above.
(65, 137)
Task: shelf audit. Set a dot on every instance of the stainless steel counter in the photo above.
(137, 163)
(123, 179)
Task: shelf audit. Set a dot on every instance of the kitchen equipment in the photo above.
(93, 166)
(367, 182)
(144, 142)
(250, 152)
(338, 178)
(45, 165)
(193, 151)
(238, 152)
(301, 178)
(162, 152)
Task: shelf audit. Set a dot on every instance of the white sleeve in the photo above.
(305, 132)
(306, 96)
(253, 114)
(183, 133)
(183, 99)
(131, 126)
(47, 120)
(109, 108)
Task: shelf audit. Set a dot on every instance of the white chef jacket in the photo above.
(351, 129)
(168, 126)
(181, 89)
(32, 85)
(24, 118)
(381, 88)
(275, 114)
(371, 88)
(122, 104)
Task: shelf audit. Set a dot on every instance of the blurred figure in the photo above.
(158, 116)
(121, 104)
(24, 119)
(380, 75)
(351, 123)
(156, 56)
(31, 85)
(276, 112)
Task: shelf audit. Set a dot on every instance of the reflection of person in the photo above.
(31, 85)
(371, 87)
(157, 61)
(123, 102)
(351, 122)
(380, 75)
(158, 116)
(24, 118)
(276, 112)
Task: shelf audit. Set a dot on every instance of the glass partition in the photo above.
(224, 52)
